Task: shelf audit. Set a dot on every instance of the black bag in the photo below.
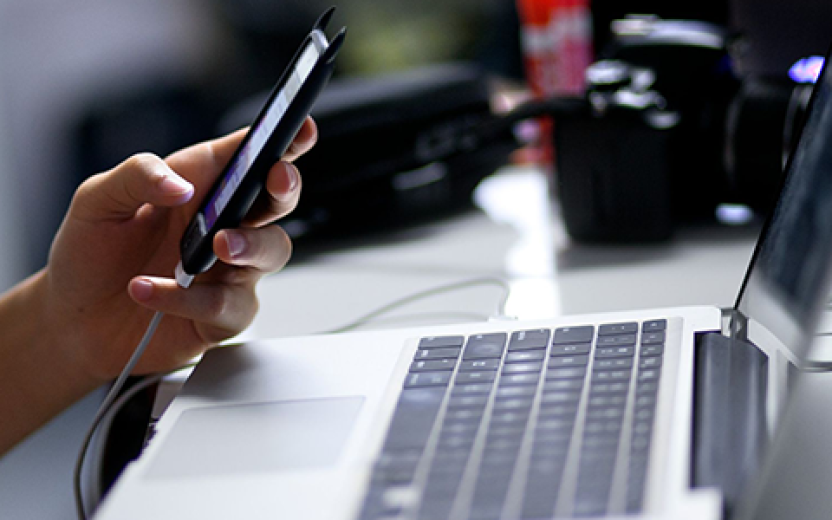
(396, 149)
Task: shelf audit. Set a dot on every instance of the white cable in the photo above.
(110, 398)
(401, 302)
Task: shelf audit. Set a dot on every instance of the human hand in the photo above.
(112, 261)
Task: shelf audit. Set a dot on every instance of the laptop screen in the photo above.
(789, 277)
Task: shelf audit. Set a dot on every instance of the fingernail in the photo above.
(175, 185)
(294, 178)
(142, 289)
(236, 243)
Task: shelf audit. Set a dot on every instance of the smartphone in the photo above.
(268, 138)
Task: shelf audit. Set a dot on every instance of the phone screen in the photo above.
(258, 135)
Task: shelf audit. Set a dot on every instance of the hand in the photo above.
(112, 261)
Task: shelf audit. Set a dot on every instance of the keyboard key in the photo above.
(571, 350)
(601, 427)
(477, 388)
(427, 379)
(650, 362)
(567, 335)
(568, 361)
(604, 414)
(643, 400)
(464, 415)
(522, 368)
(453, 443)
(508, 429)
(649, 375)
(465, 378)
(432, 365)
(468, 401)
(479, 365)
(513, 404)
(512, 392)
(565, 373)
(554, 424)
(413, 418)
(529, 340)
(607, 401)
(519, 379)
(618, 328)
(558, 410)
(612, 364)
(652, 338)
(605, 376)
(654, 325)
(594, 484)
(644, 414)
(525, 356)
(560, 398)
(489, 494)
(619, 340)
(441, 342)
(607, 352)
(485, 346)
(563, 384)
(647, 387)
(398, 470)
(617, 387)
(543, 481)
(437, 353)
(550, 444)
(509, 416)
(652, 350)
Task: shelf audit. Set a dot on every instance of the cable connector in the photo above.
(182, 278)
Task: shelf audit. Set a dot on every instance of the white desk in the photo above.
(516, 236)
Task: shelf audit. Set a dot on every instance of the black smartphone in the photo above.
(267, 140)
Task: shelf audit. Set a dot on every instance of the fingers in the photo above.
(283, 187)
(224, 302)
(304, 140)
(204, 161)
(119, 193)
(265, 249)
(218, 310)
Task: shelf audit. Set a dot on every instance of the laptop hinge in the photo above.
(730, 433)
(734, 324)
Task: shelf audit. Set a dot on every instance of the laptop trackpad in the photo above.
(261, 437)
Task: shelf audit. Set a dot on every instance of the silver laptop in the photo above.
(658, 413)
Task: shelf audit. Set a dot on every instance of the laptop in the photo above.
(662, 413)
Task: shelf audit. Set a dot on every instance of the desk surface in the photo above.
(515, 235)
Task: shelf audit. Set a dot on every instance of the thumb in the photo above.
(142, 179)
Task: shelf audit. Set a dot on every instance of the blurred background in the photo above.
(84, 84)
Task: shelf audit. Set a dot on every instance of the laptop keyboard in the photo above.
(528, 425)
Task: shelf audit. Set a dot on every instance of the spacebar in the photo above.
(414, 417)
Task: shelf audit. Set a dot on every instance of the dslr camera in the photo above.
(667, 131)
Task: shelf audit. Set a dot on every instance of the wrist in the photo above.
(37, 378)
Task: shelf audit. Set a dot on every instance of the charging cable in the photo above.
(401, 302)
(184, 280)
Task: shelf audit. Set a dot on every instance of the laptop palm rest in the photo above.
(257, 437)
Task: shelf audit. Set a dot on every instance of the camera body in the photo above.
(667, 131)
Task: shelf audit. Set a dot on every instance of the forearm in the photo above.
(36, 382)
